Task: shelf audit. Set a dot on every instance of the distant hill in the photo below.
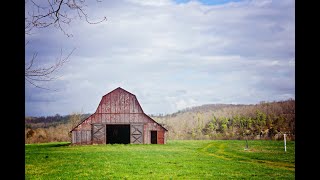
(203, 108)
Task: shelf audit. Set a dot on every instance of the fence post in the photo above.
(285, 144)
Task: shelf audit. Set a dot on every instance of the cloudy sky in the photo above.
(170, 54)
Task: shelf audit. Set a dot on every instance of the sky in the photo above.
(170, 54)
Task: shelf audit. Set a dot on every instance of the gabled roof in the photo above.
(110, 93)
(80, 123)
(117, 89)
(156, 122)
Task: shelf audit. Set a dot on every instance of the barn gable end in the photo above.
(118, 118)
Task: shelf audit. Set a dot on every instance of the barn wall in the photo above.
(81, 137)
(84, 135)
(116, 107)
(74, 141)
(152, 126)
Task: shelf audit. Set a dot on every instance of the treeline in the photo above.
(49, 121)
(266, 120)
(203, 108)
(51, 128)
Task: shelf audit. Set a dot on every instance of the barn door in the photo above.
(136, 136)
(154, 139)
(98, 133)
(160, 139)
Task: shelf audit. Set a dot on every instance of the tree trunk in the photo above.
(247, 146)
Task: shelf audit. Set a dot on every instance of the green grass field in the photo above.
(192, 159)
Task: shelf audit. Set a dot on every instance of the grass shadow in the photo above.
(60, 144)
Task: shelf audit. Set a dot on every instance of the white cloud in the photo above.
(151, 3)
(171, 55)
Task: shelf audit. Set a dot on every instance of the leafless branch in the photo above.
(33, 74)
(38, 86)
(31, 62)
(44, 14)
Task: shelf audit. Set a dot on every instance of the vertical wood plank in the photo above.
(74, 137)
(88, 137)
(127, 103)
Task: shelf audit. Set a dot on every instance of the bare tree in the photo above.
(44, 14)
(35, 74)
(75, 119)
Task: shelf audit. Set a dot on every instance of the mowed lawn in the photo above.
(189, 159)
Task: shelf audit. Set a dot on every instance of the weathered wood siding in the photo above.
(81, 137)
(151, 125)
(117, 107)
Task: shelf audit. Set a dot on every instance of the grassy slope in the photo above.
(175, 160)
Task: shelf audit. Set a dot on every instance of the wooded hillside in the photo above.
(266, 120)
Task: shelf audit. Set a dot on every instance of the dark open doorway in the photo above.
(118, 134)
(154, 137)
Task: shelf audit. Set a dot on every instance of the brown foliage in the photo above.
(185, 124)
(59, 133)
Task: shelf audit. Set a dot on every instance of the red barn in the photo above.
(120, 119)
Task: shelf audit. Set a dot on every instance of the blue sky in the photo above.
(170, 54)
(209, 2)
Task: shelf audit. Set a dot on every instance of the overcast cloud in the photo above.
(171, 55)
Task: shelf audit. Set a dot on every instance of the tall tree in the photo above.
(259, 122)
(244, 127)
